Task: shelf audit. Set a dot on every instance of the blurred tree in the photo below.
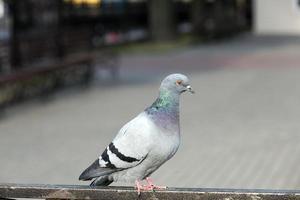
(213, 19)
(14, 39)
(197, 16)
(60, 52)
(161, 19)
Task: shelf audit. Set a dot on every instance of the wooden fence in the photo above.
(12, 191)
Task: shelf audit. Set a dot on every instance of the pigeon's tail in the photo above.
(101, 181)
(95, 171)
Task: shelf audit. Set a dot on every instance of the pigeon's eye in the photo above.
(178, 82)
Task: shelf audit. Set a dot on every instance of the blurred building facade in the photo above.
(49, 44)
(35, 30)
(277, 17)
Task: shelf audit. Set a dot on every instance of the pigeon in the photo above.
(144, 143)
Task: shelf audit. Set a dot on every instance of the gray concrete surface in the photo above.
(240, 130)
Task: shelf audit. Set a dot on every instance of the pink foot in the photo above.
(151, 185)
(140, 187)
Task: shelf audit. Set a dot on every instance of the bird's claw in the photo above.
(152, 186)
(149, 187)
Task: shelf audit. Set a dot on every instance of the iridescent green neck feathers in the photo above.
(167, 104)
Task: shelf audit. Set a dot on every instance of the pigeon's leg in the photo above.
(138, 186)
(151, 185)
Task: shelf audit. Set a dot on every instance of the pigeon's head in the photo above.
(177, 83)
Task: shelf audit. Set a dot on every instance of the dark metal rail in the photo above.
(11, 191)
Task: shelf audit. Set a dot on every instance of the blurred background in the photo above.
(72, 72)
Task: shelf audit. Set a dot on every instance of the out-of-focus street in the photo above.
(240, 130)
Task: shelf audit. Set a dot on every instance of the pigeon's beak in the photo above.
(189, 88)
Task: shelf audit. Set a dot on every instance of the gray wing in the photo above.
(128, 149)
(95, 170)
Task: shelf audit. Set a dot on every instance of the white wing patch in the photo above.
(130, 146)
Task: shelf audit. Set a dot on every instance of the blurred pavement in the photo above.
(240, 130)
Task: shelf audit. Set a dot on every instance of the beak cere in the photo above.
(189, 88)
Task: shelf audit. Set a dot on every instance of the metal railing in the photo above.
(12, 191)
